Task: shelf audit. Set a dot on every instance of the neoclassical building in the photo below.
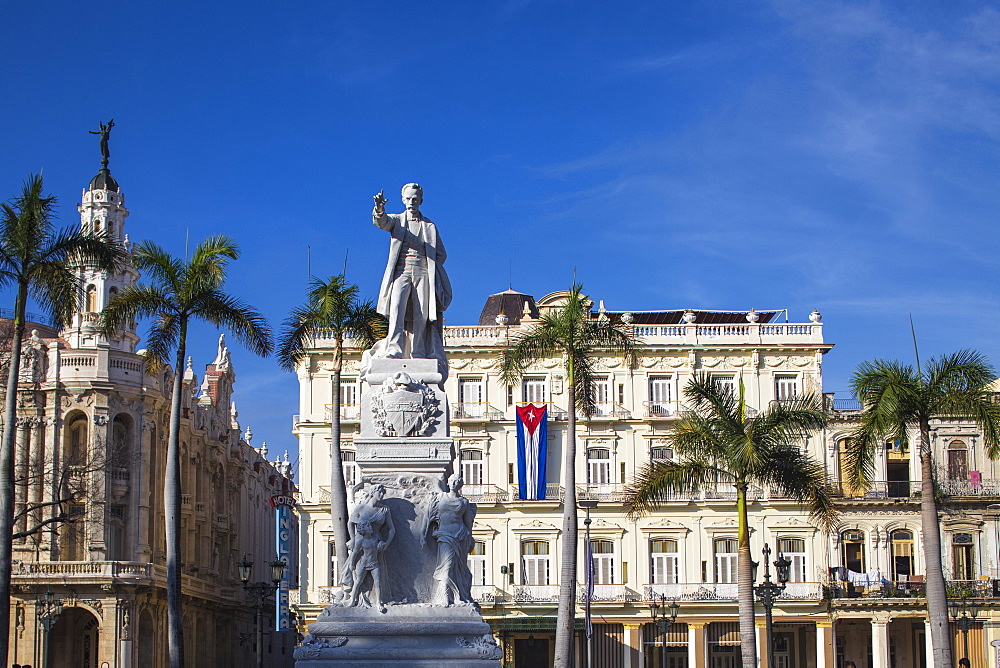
(92, 425)
(685, 552)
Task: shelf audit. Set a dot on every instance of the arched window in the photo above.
(116, 534)
(852, 549)
(664, 561)
(535, 562)
(91, 299)
(477, 563)
(794, 550)
(725, 560)
(901, 548)
(472, 467)
(603, 552)
(121, 438)
(958, 460)
(76, 440)
(598, 466)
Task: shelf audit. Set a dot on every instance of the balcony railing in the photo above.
(488, 594)
(691, 591)
(610, 410)
(881, 489)
(484, 493)
(553, 492)
(536, 593)
(348, 412)
(82, 569)
(608, 593)
(968, 487)
(475, 410)
(555, 413)
(601, 491)
(661, 409)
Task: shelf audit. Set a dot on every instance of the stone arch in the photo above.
(145, 637)
(75, 639)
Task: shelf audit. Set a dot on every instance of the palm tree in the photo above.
(897, 399)
(178, 291)
(333, 311)
(39, 262)
(716, 441)
(572, 334)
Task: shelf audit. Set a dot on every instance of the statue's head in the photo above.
(378, 493)
(455, 482)
(413, 196)
(365, 528)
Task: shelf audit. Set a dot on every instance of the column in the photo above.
(928, 646)
(762, 654)
(880, 642)
(696, 644)
(633, 645)
(826, 644)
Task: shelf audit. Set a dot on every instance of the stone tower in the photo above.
(102, 208)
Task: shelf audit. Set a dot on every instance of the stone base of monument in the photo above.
(405, 636)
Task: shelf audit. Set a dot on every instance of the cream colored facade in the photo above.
(81, 393)
(685, 551)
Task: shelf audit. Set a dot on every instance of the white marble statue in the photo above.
(415, 289)
(371, 530)
(450, 523)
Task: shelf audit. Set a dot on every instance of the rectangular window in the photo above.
(533, 390)
(725, 560)
(603, 552)
(598, 466)
(786, 387)
(660, 395)
(534, 562)
(794, 550)
(349, 408)
(472, 467)
(665, 562)
(470, 398)
(347, 457)
(602, 396)
(477, 564)
(726, 381)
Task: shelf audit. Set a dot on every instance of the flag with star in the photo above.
(532, 429)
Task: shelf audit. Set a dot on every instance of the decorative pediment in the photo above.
(537, 527)
(665, 525)
(792, 524)
(602, 528)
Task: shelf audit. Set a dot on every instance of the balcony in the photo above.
(66, 572)
(348, 412)
(488, 594)
(484, 493)
(601, 492)
(553, 492)
(608, 593)
(661, 409)
(691, 591)
(881, 489)
(974, 488)
(536, 593)
(609, 410)
(475, 411)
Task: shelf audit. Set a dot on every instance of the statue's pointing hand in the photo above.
(380, 201)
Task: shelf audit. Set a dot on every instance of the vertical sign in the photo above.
(282, 505)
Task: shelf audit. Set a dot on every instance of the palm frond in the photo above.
(246, 324)
(659, 481)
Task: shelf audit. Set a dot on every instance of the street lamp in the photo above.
(964, 612)
(259, 591)
(767, 592)
(47, 611)
(588, 504)
(663, 616)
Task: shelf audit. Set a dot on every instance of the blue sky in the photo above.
(722, 155)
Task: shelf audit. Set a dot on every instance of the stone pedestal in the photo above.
(405, 448)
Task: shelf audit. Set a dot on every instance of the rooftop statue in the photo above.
(105, 132)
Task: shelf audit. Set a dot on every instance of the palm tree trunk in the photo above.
(567, 571)
(937, 593)
(744, 579)
(172, 511)
(7, 471)
(338, 487)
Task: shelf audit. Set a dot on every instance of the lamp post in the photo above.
(767, 592)
(259, 591)
(663, 616)
(47, 611)
(587, 505)
(964, 612)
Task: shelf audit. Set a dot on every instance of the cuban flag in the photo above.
(532, 429)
